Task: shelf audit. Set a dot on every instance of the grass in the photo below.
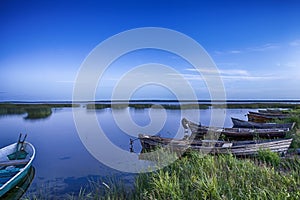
(33, 111)
(268, 157)
(295, 133)
(219, 177)
(197, 176)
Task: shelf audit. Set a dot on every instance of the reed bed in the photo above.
(148, 105)
(33, 111)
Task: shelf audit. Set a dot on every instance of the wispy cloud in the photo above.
(65, 81)
(235, 77)
(235, 72)
(229, 52)
(289, 65)
(231, 75)
(295, 43)
(265, 47)
(261, 48)
(221, 71)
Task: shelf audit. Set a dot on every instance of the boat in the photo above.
(199, 131)
(274, 111)
(265, 117)
(237, 148)
(15, 162)
(21, 188)
(238, 123)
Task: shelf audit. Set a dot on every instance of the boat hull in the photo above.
(237, 148)
(265, 117)
(237, 123)
(15, 179)
(199, 132)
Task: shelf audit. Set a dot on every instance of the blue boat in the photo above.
(15, 163)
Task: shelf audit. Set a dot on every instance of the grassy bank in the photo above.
(220, 177)
(197, 176)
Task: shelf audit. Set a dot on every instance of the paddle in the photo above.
(20, 152)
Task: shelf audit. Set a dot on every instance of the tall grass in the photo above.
(197, 176)
(218, 177)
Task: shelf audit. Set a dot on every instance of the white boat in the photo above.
(15, 162)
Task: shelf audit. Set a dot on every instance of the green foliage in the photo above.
(33, 111)
(219, 177)
(268, 157)
(296, 140)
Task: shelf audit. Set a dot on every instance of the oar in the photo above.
(22, 143)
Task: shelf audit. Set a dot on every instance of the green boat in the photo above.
(15, 163)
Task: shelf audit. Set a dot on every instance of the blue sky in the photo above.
(255, 45)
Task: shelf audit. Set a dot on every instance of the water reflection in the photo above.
(19, 190)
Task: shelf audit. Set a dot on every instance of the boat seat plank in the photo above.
(14, 162)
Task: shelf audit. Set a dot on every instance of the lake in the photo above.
(63, 164)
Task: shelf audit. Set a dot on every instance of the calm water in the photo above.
(63, 164)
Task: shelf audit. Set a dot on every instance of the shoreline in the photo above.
(154, 101)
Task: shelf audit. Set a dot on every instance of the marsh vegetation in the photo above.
(31, 111)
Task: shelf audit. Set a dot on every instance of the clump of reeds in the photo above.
(33, 111)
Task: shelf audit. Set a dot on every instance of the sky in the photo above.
(254, 44)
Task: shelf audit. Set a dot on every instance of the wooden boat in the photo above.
(238, 123)
(265, 117)
(15, 162)
(200, 131)
(274, 111)
(237, 148)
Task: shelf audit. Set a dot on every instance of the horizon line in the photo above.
(156, 100)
